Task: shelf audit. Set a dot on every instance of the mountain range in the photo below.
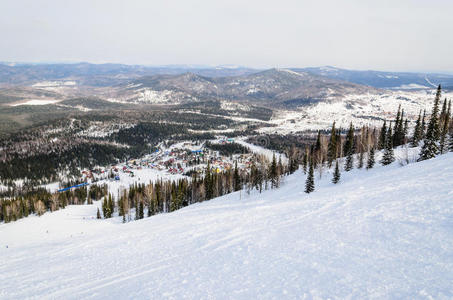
(387, 80)
(111, 74)
(274, 87)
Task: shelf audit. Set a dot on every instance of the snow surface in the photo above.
(411, 86)
(54, 83)
(382, 233)
(36, 102)
(361, 109)
(261, 150)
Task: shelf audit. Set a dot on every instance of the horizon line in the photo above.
(212, 66)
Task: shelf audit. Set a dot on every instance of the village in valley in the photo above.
(182, 159)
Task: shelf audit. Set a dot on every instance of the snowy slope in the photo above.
(362, 109)
(382, 233)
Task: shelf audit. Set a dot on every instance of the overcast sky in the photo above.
(412, 35)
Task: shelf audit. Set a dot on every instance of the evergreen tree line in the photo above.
(40, 200)
(437, 138)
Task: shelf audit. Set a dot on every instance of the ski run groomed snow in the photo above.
(385, 233)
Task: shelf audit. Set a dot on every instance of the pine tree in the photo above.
(273, 173)
(382, 136)
(405, 131)
(417, 132)
(450, 144)
(305, 161)
(293, 161)
(310, 182)
(236, 178)
(349, 149)
(208, 182)
(388, 156)
(140, 210)
(105, 208)
(423, 126)
(318, 141)
(332, 146)
(445, 122)
(317, 150)
(336, 174)
(370, 161)
(111, 206)
(443, 112)
(396, 128)
(430, 148)
(360, 164)
(400, 136)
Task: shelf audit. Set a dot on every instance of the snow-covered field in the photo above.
(363, 109)
(382, 233)
(35, 102)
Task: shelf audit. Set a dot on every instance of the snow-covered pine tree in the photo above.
(370, 162)
(388, 156)
(336, 173)
(430, 148)
(310, 182)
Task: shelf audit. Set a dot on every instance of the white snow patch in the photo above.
(36, 102)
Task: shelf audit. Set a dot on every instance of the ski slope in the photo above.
(381, 233)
